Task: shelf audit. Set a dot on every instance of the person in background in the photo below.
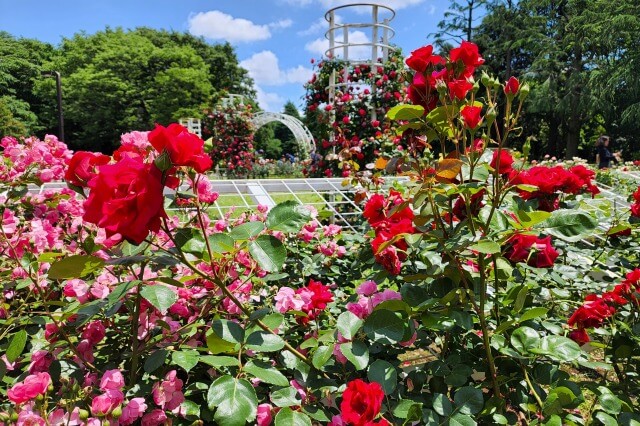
(603, 155)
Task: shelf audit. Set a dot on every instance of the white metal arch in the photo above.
(303, 136)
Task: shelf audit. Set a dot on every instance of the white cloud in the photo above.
(281, 24)
(320, 45)
(298, 2)
(431, 9)
(218, 25)
(269, 101)
(264, 68)
(320, 25)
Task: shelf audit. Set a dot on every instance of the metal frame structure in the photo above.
(193, 125)
(303, 136)
(327, 195)
(338, 36)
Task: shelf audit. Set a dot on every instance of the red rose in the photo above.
(82, 167)
(126, 199)
(422, 58)
(505, 163)
(579, 336)
(537, 252)
(321, 294)
(374, 210)
(421, 93)
(361, 402)
(592, 313)
(184, 148)
(469, 55)
(30, 388)
(512, 86)
(471, 116)
(458, 89)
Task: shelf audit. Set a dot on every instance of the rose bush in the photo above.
(479, 293)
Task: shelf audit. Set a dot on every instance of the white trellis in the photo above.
(193, 125)
(303, 136)
(353, 52)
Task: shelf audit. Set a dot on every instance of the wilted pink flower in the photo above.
(30, 418)
(168, 393)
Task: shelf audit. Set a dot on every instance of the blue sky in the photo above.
(274, 39)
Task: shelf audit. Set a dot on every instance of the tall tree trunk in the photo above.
(470, 20)
(554, 135)
(575, 121)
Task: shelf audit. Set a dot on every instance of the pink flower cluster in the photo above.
(45, 160)
(311, 300)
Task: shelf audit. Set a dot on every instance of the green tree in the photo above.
(116, 81)
(460, 22)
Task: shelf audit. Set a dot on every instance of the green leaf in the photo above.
(439, 118)
(557, 400)
(606, 419)
(269, 252)
(220, 361)
(195, 245)
(534, 313)
(525, 338)
(234, 399)
(561, 348)
(569, 225)
(529, 219)
(77, 266)
(459, 419)
(349, 324)
(321, 356)
(155, 360)
(288, 417)
(357, 353)
(385, 374)
(469, 400)
(486, 247)
(405, 407)
(385, 327)
(263, 341)
(216, 345)
(442, 405)
(228, 331)
(160, 296)
(221, 243)
(286, 397)
(266, 372)
(405, 112)
(246, 230)
(289, 217)
(186, 359)
(608, 401)
(17, 345)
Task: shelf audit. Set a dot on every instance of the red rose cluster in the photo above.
(535, 251)
(635, 207)
(390, 218)
(361, 404)
(126, 196)
(596, 309)
(550, 181)
(454, 74)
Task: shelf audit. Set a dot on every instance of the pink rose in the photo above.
(287, 300)
(29, 418)
(264, 415)
(112, 379)
(94, 332)
(134, 410)
(31, 387)
(367, 288)
(155, 418)
(104, 404)
(40, 361)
